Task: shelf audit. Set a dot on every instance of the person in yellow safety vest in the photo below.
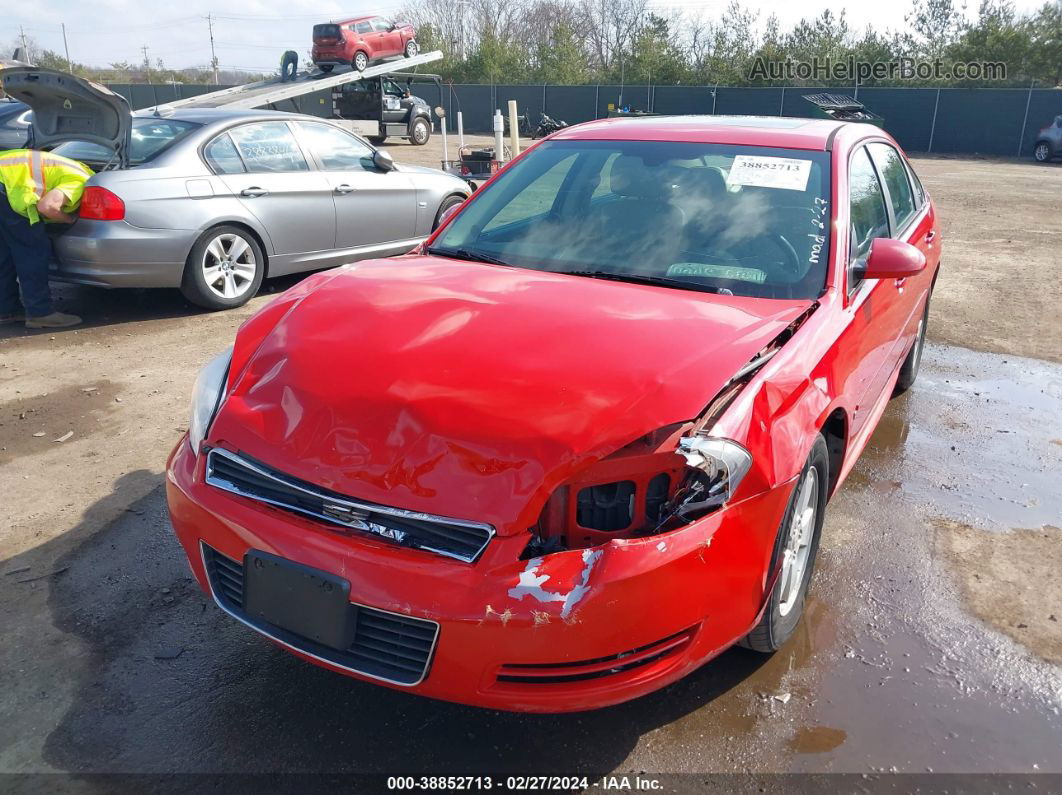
(35, 188)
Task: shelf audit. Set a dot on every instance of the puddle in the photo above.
(31, 424)
(928, 582)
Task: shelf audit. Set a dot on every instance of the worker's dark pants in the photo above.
(289, 67)
(25, 250)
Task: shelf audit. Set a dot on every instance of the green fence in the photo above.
(991, 121)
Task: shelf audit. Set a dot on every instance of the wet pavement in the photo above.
(920, 650)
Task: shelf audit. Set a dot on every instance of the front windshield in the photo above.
(741, 220)
(151, 137)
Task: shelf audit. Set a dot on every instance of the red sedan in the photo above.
(582, 440)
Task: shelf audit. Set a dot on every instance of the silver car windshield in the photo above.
(740, 220)
(150, 138)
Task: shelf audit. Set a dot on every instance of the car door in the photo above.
(390, 39)
(874, 310)
(395, 110)
(369, 38)
(912, 220)
(372, 207)
(264, 167)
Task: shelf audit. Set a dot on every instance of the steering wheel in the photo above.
(791, 254)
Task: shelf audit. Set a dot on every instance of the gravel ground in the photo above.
(932, 638)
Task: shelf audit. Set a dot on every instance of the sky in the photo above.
(251, 34)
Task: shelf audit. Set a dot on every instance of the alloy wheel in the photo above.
(411, 49)
(229, 266)
(361, 60)
(1042, 152)
(798, 543)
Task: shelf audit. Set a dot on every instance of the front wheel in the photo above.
(412, 48)
(224, 269)
(377, 140)
(419, 131)
(360, 62)
(444, 208)
(1042, 152)
(794, 555)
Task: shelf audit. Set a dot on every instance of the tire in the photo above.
(1042, 152)
(325, 67)
(377, 140)
(909, 369)
(447, 203)
(786, 603)
(412, 48)
(360, 62)
(419, 131)
(231, 286)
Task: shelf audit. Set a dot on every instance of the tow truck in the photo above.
(371, 102)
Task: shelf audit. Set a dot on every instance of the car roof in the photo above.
(780, 131)
(362, 18)
(211, 115)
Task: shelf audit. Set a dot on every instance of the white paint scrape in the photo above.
(531, 583)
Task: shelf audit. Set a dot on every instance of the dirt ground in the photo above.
(932, 639)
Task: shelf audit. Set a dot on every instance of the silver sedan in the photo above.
(212, 201)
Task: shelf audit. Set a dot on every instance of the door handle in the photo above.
(252, 193)
(931, 235)
(345, 188)
(900, 283)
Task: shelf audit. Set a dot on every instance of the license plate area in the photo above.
(305, 601)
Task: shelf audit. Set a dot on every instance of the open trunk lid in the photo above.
(68, 108)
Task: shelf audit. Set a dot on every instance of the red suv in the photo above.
(360, 41)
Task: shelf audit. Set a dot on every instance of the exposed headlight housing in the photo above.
(206, 397)
(715, 468)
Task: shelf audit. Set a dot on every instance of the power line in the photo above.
(213, 55)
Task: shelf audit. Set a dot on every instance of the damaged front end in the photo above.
(658, 483)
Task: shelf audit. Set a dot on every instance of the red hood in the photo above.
(472, 390)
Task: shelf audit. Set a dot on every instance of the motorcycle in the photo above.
(547, 126)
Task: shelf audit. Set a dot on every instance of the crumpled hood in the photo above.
(473, 391)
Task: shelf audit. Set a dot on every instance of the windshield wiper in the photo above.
(639, 278)
(465, 254)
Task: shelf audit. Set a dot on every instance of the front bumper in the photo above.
(117, 254)
(570, 631)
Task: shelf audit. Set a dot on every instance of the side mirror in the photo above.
(384, 162)
(892, 259)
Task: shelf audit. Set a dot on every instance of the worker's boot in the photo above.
(54, 320)
(6, 319)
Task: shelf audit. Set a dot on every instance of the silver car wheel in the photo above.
(420, 132)
(798, 544)
(361, 61)
(1042, 152)
(229, 266)
(411, 48)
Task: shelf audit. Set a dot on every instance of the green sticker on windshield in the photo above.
(731, 272)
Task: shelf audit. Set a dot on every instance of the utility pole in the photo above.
(213, 57)
(25, 49)
(147, 64)
(69, 65)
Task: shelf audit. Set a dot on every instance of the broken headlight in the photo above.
(714, 468)
(206, 397)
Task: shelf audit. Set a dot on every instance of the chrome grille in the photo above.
(454, 538)
(389, 646)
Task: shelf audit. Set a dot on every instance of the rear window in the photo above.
(326, 31)
(150, 138)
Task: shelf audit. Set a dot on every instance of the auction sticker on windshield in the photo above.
(787, 173)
